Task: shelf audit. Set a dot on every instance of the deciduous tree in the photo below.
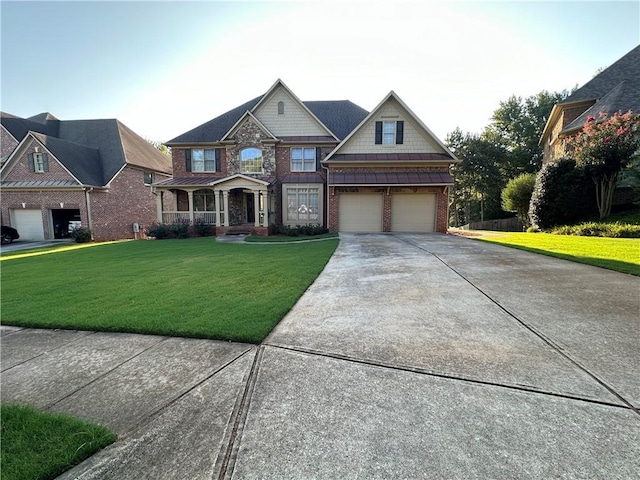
(604, 147)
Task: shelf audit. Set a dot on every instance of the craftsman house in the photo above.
(279, 160)
(58, 174)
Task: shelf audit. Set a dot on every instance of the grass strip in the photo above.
(193, 287)
(619, 254)
(41, 446)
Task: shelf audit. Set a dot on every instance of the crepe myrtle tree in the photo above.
(604, 147)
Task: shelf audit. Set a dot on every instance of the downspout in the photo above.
(88, 202)
(326, 211)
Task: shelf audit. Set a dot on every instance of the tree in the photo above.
(604, 147)
(478, 182)
(160, 146)
(516, 196)
(517, 124)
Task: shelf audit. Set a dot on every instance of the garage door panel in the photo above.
(414, 212)
(28, 222)
(360, 213)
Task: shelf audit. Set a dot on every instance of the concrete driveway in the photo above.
(411, 356)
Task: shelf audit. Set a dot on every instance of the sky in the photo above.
(163, 68)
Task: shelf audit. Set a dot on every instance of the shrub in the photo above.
(180, 228)
(516, 196)
(81, 234)
(201, 228)
(532, 229)
(310, 230)
(159, 231)
(562, 194)
(599, 229)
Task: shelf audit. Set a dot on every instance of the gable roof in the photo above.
(251, 116)
(614, 89)
(335, 154)
(338, 116)
(92, 150)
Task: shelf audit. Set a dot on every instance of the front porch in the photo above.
(223, 203)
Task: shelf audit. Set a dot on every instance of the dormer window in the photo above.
(389, 132)
(280, 108)
(251, 160)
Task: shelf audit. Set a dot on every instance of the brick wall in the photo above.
(127, 201)
(180, 166)
(20, 170)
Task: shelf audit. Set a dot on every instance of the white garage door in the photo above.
(28, 223)
(413, 212)
(360, 212)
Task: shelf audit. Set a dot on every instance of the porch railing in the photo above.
(172, 217)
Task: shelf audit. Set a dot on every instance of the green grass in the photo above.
(284, 238)
(41, 446)
(620, 254)
(194, 287)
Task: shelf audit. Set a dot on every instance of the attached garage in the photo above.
(413, 212)
(28, 222)
(360, 212)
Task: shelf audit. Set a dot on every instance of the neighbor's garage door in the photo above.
(360, 212)
(28, 223)
(413, 212)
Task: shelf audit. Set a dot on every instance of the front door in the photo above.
(251, 211)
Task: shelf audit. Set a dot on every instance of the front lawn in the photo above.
(620, 254)
(41, 446)
(193, 287)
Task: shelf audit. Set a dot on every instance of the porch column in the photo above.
(216, 195)
(190, 195)
(225, 196)
(159, 206)
(265, 208)
(256, 207)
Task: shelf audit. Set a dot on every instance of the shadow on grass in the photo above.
(616, 265)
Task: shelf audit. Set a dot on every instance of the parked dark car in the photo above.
(8, 234)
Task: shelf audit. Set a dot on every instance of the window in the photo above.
(251, 160)
(148, 178)
(280, 108)
(389, 132)
(38, 162)
(303, 205)
(303, 159)
(203, 160)
(204, 201)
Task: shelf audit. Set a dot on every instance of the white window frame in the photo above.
(206, 194)
(200, 165)
(255, 162)
(305, 162)
(302, 211)
(388, 133)
(38, 162)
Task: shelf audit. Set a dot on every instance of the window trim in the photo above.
(204, 160)
(144, 177)
(285, 202)
(242, 161)
(312, 162)
(38, 162)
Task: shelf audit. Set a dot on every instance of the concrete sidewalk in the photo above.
(411, 356)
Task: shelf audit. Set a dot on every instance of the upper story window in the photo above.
(148, 178)
(202, 159)
(303, 159)
(280, 108)
(389, 132)
(251, 160)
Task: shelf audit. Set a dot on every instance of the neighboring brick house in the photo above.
(58, 174)
(615, 89)
(278, 160)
